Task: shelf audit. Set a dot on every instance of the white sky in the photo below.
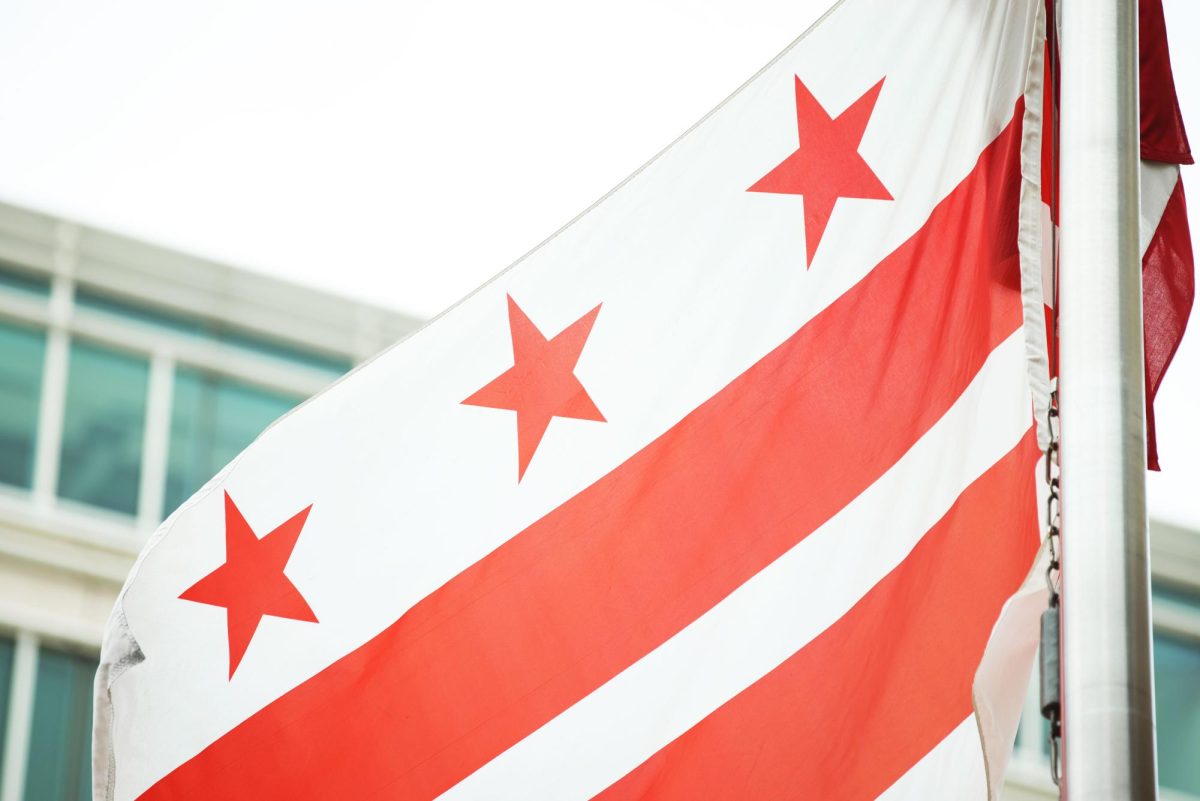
(404, 152)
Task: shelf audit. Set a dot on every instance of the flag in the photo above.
(1168, 269)
(719, 492)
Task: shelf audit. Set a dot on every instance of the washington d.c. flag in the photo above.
(719, 493)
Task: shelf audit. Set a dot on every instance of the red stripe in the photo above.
(566, 604)
(849, 713)
(1168, 290)
(1163, 135)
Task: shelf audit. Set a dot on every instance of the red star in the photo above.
(251, 583)
(541, 384)
(826, 166)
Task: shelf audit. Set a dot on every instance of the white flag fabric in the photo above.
(718, 493)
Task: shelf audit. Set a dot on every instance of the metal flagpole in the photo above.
(1107, 690)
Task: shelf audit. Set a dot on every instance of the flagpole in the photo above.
(1108, 701)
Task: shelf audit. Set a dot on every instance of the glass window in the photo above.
(334, 365)
(102, 428)
(1177, 711)
(22, 352)
(198, 327)
(6, 663)
(60, 743)
(212, 419)
(26, 283)
(139, 313)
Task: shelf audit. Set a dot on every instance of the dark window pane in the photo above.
(22, 352)
(1177, 711)
(212, 419)
(334, 365)
(198, 327)
(6, 662)
(23, 281)
(1173, 595)
(147, 315)
(60, 740)
(102, 428)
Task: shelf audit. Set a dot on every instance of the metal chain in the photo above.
(1053, 501)
(1053, 711)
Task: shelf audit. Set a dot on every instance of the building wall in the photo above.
(130, 374)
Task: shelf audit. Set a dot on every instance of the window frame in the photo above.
(57, 315)
(22, 694)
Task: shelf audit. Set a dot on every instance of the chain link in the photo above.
(1053, 500)
(1053, 566)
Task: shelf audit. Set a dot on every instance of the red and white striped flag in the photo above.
(1168, 267)
(718, 493)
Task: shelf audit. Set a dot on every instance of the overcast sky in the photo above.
(404, 152)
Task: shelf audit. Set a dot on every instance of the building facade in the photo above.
(130, 374)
